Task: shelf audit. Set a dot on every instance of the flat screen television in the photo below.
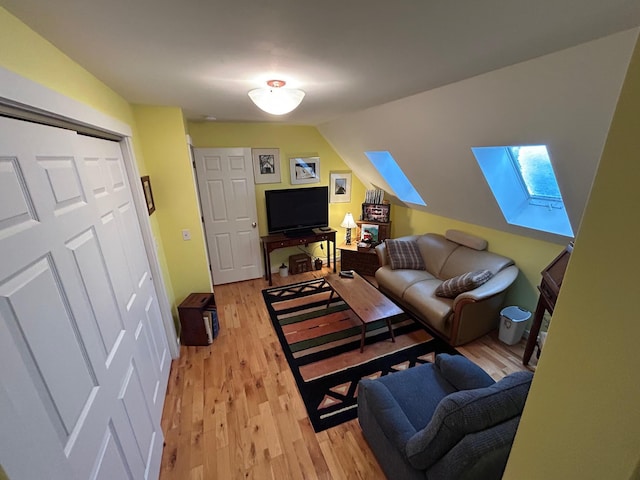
(296, 211)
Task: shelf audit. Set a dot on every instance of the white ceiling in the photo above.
(204, 56)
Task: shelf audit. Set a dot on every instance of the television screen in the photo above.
(295, 211)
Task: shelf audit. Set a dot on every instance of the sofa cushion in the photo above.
(462, 283)
(462, 373)
(465, 259)
(404, 400)
(466, 239)
(467, 411)
(403, 254)
(396, 282)
(435, 250)
(421, 299)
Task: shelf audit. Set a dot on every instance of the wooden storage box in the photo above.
(299, 263)
(196, 319)
(376, 212)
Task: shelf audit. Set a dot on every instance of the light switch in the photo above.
(186, 234)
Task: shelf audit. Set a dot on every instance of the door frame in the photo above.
(25, 99)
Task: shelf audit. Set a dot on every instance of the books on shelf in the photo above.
(374, 196)
(211, 324)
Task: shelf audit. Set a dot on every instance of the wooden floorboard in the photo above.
(233, 410)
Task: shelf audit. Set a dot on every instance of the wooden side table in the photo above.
(365, 262)
(549, 288)
(276, 241)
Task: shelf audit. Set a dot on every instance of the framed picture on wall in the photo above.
(340, 187)
(305, 170)
(266, 165)
(148, 194)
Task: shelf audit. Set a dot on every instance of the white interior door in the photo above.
(228, 198)
(84, 355)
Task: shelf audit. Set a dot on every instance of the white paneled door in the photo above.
(84, 360)
(228, 199)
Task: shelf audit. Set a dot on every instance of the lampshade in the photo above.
(276, 100)
(348, 221)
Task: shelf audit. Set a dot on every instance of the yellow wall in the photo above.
(582, 418)
(164, 145)
(530, 255)
(29, 55)
(293, 141)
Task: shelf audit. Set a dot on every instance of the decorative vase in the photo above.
(318, 264)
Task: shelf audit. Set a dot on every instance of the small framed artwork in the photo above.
(369, 233)
(305, 170)
(148, 194)
(340, 187)
(266, 165)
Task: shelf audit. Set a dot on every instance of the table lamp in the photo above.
(348, 223)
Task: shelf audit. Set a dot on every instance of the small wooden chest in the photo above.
(299, 263)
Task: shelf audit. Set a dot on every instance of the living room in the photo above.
(580, 356)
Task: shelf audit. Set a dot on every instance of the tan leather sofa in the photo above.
(469, 315)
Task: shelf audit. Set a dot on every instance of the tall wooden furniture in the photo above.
(549, 288)
(194, 318)
(363, 260)
(274, 242)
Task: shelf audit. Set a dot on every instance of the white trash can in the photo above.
(513, 321)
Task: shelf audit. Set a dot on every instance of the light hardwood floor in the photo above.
(233, 410)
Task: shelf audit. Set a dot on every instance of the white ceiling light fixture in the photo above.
(276, 100)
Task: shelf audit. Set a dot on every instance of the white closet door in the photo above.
(228, 199)
(84, 357)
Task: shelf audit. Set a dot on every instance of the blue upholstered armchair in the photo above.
(441, 421)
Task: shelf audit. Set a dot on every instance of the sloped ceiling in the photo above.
(564, 100)
(204, 56)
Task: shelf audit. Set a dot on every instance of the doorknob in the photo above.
(254, 224)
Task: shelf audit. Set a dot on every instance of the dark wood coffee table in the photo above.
(365, 300)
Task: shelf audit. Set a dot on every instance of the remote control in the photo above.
(346, 273)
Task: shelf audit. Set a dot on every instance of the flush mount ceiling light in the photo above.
(276, 100)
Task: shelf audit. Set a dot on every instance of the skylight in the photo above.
(524, 184)
(395, 177)
(536, 171)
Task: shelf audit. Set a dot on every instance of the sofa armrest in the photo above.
(496, 284)
(461, 372)
(381, 251)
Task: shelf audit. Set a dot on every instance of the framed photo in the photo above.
(148, 194)
(266, 165)
(376, 212)
(305, 170)
(340, 187)
(369, 234)
(384, 229)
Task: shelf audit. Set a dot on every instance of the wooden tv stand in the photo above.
(279, 240)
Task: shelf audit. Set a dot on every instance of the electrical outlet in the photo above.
(186, 234)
